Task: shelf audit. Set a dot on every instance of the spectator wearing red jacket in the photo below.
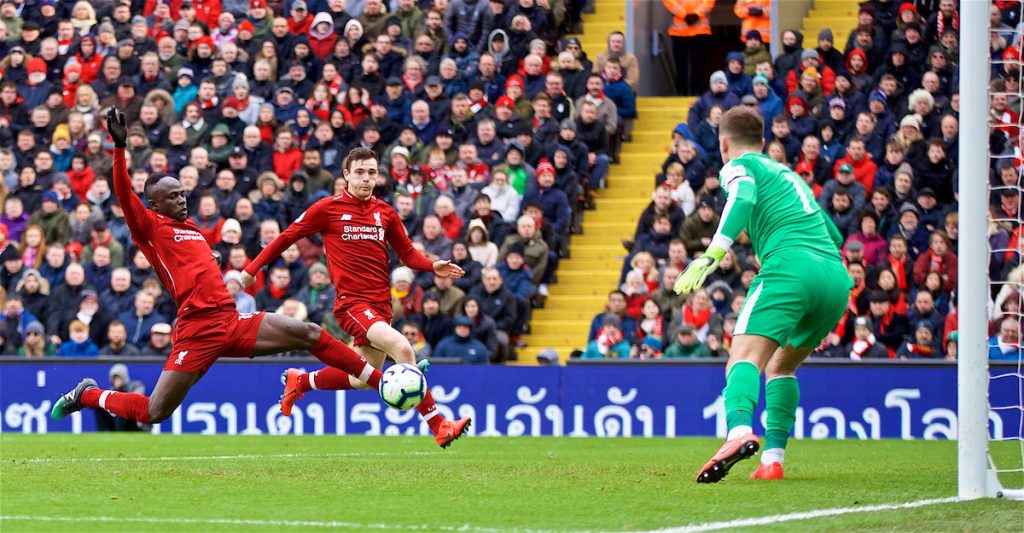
(299, 21)
(287, 157)
(864, 168)
(322, 36)
(810, 58)
(939, 259)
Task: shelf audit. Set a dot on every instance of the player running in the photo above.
(208, 326)
(797, 298)
(357, 229)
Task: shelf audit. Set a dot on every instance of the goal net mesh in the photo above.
(1006, 268)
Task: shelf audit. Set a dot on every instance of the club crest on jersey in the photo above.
(376, 218)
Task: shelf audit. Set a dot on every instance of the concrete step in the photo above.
(576, 328)
(539, 342)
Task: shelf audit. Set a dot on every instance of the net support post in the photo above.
(972, 286)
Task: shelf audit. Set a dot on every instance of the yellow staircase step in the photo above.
(596, 256)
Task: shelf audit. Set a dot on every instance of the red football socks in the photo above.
(428, 410)
(326, 378)
(123, 404)
(337, 354)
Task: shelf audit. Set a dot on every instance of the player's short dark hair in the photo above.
(743, 125)
(358, 154)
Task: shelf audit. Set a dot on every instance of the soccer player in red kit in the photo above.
(357, 229)
(208, 326)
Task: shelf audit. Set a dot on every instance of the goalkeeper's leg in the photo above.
(747, 357)
(781, 398)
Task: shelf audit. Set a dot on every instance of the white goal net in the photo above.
(1004, 226)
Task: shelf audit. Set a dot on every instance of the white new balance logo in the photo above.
(346, 217)
(181, 357)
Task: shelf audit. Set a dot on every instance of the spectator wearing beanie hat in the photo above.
(37, 88)
(830, 57)
(553, 202)
(810, 58)
(768, 101)
(61, 148)
(718, 94)
(739, 82)
(754, 52)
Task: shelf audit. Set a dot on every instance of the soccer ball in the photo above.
(403, 386)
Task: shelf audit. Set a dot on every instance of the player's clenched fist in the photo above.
(693, 277)
(247, 279)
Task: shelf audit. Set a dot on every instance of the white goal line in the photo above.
(806, 515)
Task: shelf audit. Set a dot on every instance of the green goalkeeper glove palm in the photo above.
(693, 277)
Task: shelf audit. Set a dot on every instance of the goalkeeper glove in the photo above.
(693, 277)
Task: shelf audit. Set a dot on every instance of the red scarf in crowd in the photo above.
(696, 319)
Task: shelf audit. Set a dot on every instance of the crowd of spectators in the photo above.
(492, 128)
(873, 130)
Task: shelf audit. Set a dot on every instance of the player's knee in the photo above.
(310, 334)
(405, 354)
(159, 412)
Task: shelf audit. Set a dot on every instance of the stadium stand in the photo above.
(472, 106)
(870, 123)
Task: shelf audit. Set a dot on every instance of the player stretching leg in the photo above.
(207, 326)
(794, 302)
(357, 229)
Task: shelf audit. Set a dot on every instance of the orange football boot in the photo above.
(768, 471)
(291, 390)
(450, 431)
(732, 452)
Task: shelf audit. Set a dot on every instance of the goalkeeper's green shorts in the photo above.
(796, 299)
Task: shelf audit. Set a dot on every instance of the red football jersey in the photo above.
(179, 254)
(356, 237)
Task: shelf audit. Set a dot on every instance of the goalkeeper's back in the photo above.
(784, 215)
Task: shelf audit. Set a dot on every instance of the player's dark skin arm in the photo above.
(277, 333)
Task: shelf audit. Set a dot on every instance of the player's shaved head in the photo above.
(166, 196)
(743, 126)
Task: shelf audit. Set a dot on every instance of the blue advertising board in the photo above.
(846, 401)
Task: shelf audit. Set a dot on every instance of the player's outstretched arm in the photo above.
(134, 209)
(310, 222)
(411, 257)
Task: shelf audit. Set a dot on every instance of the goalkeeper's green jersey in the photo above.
(777, 209)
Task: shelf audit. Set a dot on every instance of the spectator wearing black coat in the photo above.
(436, 325)
(473, 269)
(495, 300)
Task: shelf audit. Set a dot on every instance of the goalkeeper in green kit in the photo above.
(795, 300)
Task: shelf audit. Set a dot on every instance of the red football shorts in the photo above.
(199, 341)
(357, 317)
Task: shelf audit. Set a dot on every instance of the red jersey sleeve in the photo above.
(399, 241)
(135, 213)
(313, 220)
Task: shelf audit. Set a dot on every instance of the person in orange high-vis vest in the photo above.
(755, 16)
(691, 33)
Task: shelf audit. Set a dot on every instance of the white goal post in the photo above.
(977, 477)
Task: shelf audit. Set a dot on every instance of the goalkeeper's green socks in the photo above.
(742, 388)
(781, 397)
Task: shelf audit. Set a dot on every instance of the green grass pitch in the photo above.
(135, 482)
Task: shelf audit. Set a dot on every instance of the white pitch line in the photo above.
(216, 457)
(806, 515)
(332, 524)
